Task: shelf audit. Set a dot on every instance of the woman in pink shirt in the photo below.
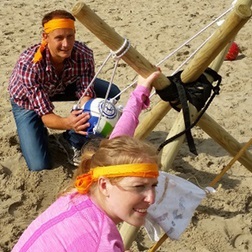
(114, 183)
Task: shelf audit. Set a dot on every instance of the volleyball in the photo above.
(103, 116)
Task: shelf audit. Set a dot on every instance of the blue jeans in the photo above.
(33, 135)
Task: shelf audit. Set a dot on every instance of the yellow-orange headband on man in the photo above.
(50, 26)
(145, 170)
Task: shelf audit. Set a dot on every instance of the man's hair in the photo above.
(57, 14)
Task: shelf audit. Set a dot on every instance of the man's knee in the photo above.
(38, 165)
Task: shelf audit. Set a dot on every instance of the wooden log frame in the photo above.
(233, 23)
(226, 32)
(215, 180)
(237, 18)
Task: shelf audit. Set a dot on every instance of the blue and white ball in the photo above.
(103, 116)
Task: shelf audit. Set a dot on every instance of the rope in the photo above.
(77, 106)
(122, 50)
(125, 89)
(196, 35)
(107, 93)
(117, 55)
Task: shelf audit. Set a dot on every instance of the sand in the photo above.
(155, 28)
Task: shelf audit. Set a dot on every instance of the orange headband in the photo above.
(145, 170)
(50, 26)
(54, 24)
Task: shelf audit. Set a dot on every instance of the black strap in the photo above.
(186, 115)
(181, 96)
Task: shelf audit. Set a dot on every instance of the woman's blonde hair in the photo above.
(119, 150)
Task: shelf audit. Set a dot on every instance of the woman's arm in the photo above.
(139, 100)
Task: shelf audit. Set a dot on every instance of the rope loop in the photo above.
(122, 50)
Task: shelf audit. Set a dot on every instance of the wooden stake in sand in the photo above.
(215, 180)
(228, 166)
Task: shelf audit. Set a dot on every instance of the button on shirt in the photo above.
(33, 84)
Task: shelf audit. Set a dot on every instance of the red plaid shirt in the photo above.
(31, 85)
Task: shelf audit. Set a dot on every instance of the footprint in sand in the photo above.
(14, 207)
(243, 242)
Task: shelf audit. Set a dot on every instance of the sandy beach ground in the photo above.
(155, 28)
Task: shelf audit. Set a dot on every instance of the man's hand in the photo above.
(78, 121)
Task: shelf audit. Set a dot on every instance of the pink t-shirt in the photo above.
(72, 223)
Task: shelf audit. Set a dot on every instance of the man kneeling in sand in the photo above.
(58, 69)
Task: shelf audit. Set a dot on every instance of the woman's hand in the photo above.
(146, 82)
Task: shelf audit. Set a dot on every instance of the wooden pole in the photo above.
(141, 65)
(114, 41)
(212, 183)
(224, 139)
(158, 243)
(237, 18)
(170, 151)
(228, 166)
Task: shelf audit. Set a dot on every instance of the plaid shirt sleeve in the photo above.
(25, 85)
(31, 85)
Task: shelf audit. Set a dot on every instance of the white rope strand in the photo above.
(122, 50)
(183, 63)
(193, 37)
(117, 55)
(107, 93)
(91, 83)
(125, 89)
(189, 40)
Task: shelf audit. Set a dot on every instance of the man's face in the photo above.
(60, 43)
